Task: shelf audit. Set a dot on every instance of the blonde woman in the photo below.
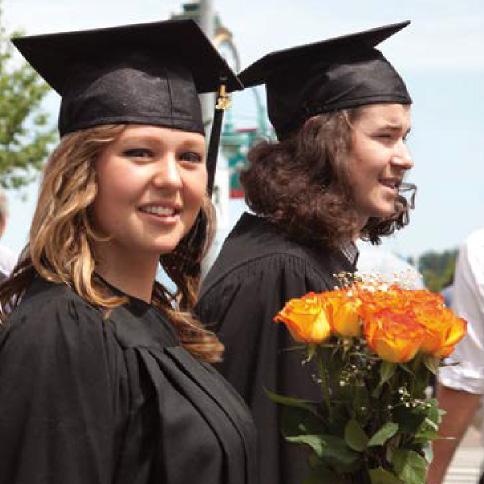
(103, 373)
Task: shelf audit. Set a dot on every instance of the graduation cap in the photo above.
(334, 74)
(147, 73)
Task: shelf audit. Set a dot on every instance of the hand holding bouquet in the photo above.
(375, 346)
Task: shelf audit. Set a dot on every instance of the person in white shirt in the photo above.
(461, 386)
(374, 259)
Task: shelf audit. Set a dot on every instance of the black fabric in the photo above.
(137, 74)
(213, 148)
(87, 400)
(257, 271)
(330, 75)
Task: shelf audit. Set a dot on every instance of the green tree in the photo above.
(25, 132)
(437, 268)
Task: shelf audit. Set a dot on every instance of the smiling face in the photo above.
(151, 183)
(378, 158)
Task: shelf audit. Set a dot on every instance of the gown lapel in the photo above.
(183, 373)
(216, 402)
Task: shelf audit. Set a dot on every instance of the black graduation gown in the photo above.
(256, 272)
(85, 400)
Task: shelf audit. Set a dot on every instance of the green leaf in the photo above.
(406, 369)
(428, 430)
(410, 467)
(339, 419)
(421, 422)
(331, 451)
(316, 442)
(431, 424)
(317, 478)
(408, 419)
(382, 476)
(428, 452)
(320, 473)
(291, 401)
(377, 391)
(355, 436)
(424, 437)
(434, 413)
(389, 449)
(431, 363)
(387, 370)
(386, 431)
(339, 455)
(297, 421)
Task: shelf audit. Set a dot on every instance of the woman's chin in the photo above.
(383, 211)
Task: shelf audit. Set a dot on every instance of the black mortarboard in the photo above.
(334, 74)
(139, 74)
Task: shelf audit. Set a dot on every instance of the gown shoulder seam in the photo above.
(238, 266)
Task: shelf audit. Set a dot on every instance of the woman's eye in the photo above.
(191, 156)
(138, 153)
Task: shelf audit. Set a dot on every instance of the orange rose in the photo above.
(393, 335)
(342, 309)
(374, 300)
(443, 330)
(306, 319)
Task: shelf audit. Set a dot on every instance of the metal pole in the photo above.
(207, 24)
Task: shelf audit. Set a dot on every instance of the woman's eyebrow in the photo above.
(393, 126)
(139, 139)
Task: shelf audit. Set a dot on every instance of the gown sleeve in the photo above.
(60, 382)
(259, 354)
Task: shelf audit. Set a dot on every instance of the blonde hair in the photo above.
(61, 241)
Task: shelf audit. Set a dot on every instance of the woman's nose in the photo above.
(168, 173)
(402, 157)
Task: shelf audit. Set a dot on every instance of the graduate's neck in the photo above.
(362, 221)
(132, 275)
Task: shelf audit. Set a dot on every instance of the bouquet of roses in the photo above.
(375, 346)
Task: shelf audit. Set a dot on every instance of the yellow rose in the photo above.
(394, 336)
(306, 319)
(342, 309)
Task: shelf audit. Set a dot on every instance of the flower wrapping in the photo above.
(375, 346)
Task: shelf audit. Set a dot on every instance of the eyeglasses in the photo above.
(408, 191)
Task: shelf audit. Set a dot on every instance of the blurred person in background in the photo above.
(377, 260)
(461, 386)
(448, 291)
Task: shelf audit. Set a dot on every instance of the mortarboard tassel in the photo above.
(223, 103)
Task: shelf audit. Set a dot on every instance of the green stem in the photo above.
(420, 379)
(324, 382)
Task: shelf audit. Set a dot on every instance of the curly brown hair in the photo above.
(61, 240)
(301, 184)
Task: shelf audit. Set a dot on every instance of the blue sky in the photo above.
(440, 56)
